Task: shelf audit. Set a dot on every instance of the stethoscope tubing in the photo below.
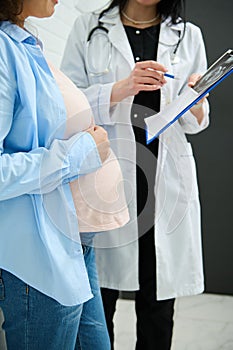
(100, 26)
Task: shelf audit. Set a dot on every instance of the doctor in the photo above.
(119, 58)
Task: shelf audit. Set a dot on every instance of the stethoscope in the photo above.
(103, 31)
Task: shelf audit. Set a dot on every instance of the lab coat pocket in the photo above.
(188, 174)
(103, 78)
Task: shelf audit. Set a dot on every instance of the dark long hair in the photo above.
(10, 9)
(166, 8)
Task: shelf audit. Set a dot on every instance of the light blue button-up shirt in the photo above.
(39, 238)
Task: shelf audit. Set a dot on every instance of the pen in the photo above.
(170, 76)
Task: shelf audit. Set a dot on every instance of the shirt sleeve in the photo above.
(188, 121)
(42, 169)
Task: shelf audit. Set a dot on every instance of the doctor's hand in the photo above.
(192, 81)
(146, 76)
(198, 109)
(100, 136)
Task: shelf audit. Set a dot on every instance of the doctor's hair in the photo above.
(175, 9)
(10, 10)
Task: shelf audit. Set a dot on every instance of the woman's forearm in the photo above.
(120, 90)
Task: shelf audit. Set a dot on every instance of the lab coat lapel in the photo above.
(168, 38)
(118, 38)
(117, 35)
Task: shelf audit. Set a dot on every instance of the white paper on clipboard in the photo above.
(159, 122)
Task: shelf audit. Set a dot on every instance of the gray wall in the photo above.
(214, 150)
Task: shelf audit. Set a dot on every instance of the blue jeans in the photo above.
(92, 333)
(34, 321)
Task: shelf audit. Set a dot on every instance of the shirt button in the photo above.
(137, 58)
(138, 32)
(135, 115)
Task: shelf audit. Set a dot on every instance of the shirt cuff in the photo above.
(104, 104)
(83, 156)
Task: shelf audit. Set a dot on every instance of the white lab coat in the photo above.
(177, 209)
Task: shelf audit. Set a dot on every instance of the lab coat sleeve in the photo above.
(74, 66)
(42, 169)
(188, 121)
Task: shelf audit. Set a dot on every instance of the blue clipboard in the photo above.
(203, 86)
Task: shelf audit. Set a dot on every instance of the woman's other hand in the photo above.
(146, 76)
(100, 136)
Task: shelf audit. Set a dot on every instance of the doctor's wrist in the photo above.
(119, 91)
(197, 106)
(198, 111)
